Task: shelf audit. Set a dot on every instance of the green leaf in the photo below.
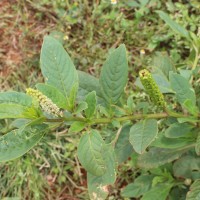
(123, 148)
(162, 64)
(98, 185)
(186, 73)
(142, 134)
(173, 25)
(197, 146)
(77, 126)
(139, 187)
(57, 67)
(72, 96)
(190, 107)
(159, 192)
(187, 167)
(178, 193)
(114, 75)
(172, 143)
(15, 98)
(11, 111)
(91, 102)
(32, 112)
(17, 123)
(162, 82)
(194, 193)
(183, 89)
(52, 93)
(90, 153)
(156, 157)
(187, 119)
(81, 106)
(177, 130)
(17, 142)
(87, 84)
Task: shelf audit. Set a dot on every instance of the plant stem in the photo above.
(120, 119)
(195, 61)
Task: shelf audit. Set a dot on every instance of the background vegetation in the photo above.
(88, 29)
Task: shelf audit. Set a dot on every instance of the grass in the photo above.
(88, 30)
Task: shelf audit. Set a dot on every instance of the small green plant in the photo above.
(163, 138)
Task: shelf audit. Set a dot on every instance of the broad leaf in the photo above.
(91, 102)
(197, 146)
(142, 134)
(172, 143)
(162, 65)
(11, 111)
(174, 26)
(187, 167)
(177, 130)
(183, 89)
(123, 148)
(55, 95)
(98, 185)
(87, 84)
(194, 193)
(90, 153)
(159, 192)
(15, 98)
(17, 142)
(139, 187)
(178, 193)
(57, 67)
(156, 157)
(163, 83)
(114, 75)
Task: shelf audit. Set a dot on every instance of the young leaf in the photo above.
(15, 98)
(190, 107)
(139, 187)
(123, 148)
(142, 134)
(77, 126)
(156, 157)
(194, 193)
(90, 153)
(72, 96)
(17, 142)
(52, 93)
(81, 106)
(11, 111)
(57, 67)
(114, 75)
(159, 192)
(98, 185)
(91, 102)
(183, 89)
(174, 26)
